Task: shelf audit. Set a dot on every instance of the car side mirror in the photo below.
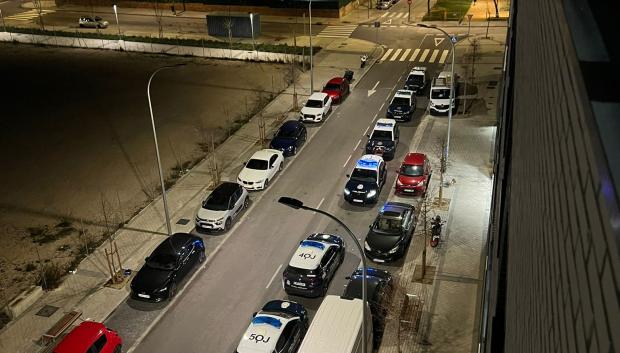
(254, 314)
(146, 259)
(368, 135)
(348, 175)
(347, 277)
(244, 163)
(370, 226)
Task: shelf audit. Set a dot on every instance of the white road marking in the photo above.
(396, 54)
(424, 55)
(365, 132)
(358, 144)
(444, 55)
(415, 54)
(438, 41)
(320, 203)
(402, 58)
(375, 117)
(433, 56)
(274, 276)
(387, 53)
(382, 105)
(345, 163)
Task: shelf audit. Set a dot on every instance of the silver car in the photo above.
(384, 4)
(90, 22)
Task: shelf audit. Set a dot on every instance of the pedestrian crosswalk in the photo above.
(395, 15)
(28, 15)
(416, 55)
(343, 31)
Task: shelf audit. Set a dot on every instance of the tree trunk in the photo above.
(428, 7)
(496, 9)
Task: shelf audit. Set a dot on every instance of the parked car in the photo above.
(416, 80)
(222, 206)
(313, 265)
(90, 337)
(379, 292)
(167, 265)
(391, 232)
(93, 22)
(280, 326)
(289, 137)
(384, 4)
(383, 139)
(261, 168)
(318, 106)
(366, 180)
(414, 174)
(402, 106)
(337, 88)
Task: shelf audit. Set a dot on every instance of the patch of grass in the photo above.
(50, 276)
(446, 10)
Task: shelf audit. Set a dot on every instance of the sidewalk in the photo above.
(84, 290)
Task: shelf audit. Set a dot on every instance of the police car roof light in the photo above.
(267, 320)
(362, 163)
(313, 244)
(385, 124)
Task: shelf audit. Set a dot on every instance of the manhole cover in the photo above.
(47, 311)
(183, 221)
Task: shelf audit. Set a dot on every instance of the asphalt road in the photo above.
(215, 307)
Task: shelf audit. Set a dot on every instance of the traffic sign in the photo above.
(409, 2)
(453, 39)
(377, 24)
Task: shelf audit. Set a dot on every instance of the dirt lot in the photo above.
(76, 145)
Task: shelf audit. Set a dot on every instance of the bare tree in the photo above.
(228, 24)
(496, 9)
(159, 19)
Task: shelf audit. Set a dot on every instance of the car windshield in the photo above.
(387, 225)
(332, 87)
(312, 103)
(400, 101)
(215, 203)
(366, 175)
(416, 79)
(412, 170)
(286, 133)
(441, 93)
(162, 261)
(258, 164)
(381, 135)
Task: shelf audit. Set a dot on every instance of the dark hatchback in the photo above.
(391, 232)
(289, 138)
(313, 265)
(379, 293)
(167, 265)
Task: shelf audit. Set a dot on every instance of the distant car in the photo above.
(280, 326)
(313, 265)
(379, 292)
(390, 234)
(318, 106)
(90, 337)
(260, 169)
(414, 174)
(93, 22)
(337, 88)
(222, 206)
(289, 138)
(402, 106)
(366, 180)
(416, 80)
(167, 265)
(384, 139)
(384, 4)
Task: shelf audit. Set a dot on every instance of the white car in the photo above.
(90, 22)
(261, 169)
(316, 108)
(222, 206)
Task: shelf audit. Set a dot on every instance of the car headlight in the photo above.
(432, 104)
(290, 148)
(399, 183)
(371, 193)
(318, 115)
(347, 191)
(393, 251)
(366, 246)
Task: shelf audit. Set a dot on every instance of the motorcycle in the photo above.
(363, 60)
(436, 224)
(348, 75)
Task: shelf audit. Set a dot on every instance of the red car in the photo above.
(414, 174)
(337, 88)
(90, 337)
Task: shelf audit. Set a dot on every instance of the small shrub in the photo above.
(30, 267)
(50, 276)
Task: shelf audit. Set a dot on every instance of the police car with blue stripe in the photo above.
(366, 180)
(383, 139)
(313, 265)
(280, 326)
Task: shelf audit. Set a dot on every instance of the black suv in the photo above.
(390, 234)
(313, 265)
(167, 265)
(384, 139)
(366, 180)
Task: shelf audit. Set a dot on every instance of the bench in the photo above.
(60, 326)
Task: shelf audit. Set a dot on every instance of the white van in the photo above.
(337, 327)
(439, 99)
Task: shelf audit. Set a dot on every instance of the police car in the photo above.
(366, 180)
(280, 326)
(402, 106)
(313, 265)
(383, 139)
(416, 80)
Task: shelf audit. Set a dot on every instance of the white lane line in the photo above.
(274, 276)
(318, 206)
(4, 2)
(345, 163)
(415, 54)
(387, 53)
(375, 117)
(433, 56)
(396, 54)
(424, 55)
(358, 144)
(444, 55)
(365, 132)
(402, 58)
(385, 14)
(382, 105)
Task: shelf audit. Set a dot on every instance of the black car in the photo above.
(402, 106)
(313, 265)
(416, 80)
(384, 139)
(280, 326)
(390, 234)
(366, 180)
(289, 138)
(167, 265)
(379, 293)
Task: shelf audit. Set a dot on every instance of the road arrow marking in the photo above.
(438, 41)
(373, 90)
(388, 22)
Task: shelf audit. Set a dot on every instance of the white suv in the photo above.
(317, 107)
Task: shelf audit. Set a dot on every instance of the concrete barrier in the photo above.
(23, 301)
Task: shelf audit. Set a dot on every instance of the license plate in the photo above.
(301, 284)
(144, 296)
(358, 200)
(378, 260)
(407, 190)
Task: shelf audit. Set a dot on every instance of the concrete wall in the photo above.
(553, 254)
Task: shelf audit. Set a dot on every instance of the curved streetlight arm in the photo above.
(297, 204)
(161, 173)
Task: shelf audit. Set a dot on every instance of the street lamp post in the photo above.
(310, 36)
(117, 25)
(252, 25)
(452, 80)
(161, 173)
(297, 204)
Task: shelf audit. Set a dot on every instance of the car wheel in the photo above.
(172, 291)
(266, 183)
(281, 166)
(246, 202)
(227, 224)
(118, 349)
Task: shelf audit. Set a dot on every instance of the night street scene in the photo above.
(309, 176)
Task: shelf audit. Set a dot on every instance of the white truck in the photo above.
(439, 101)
